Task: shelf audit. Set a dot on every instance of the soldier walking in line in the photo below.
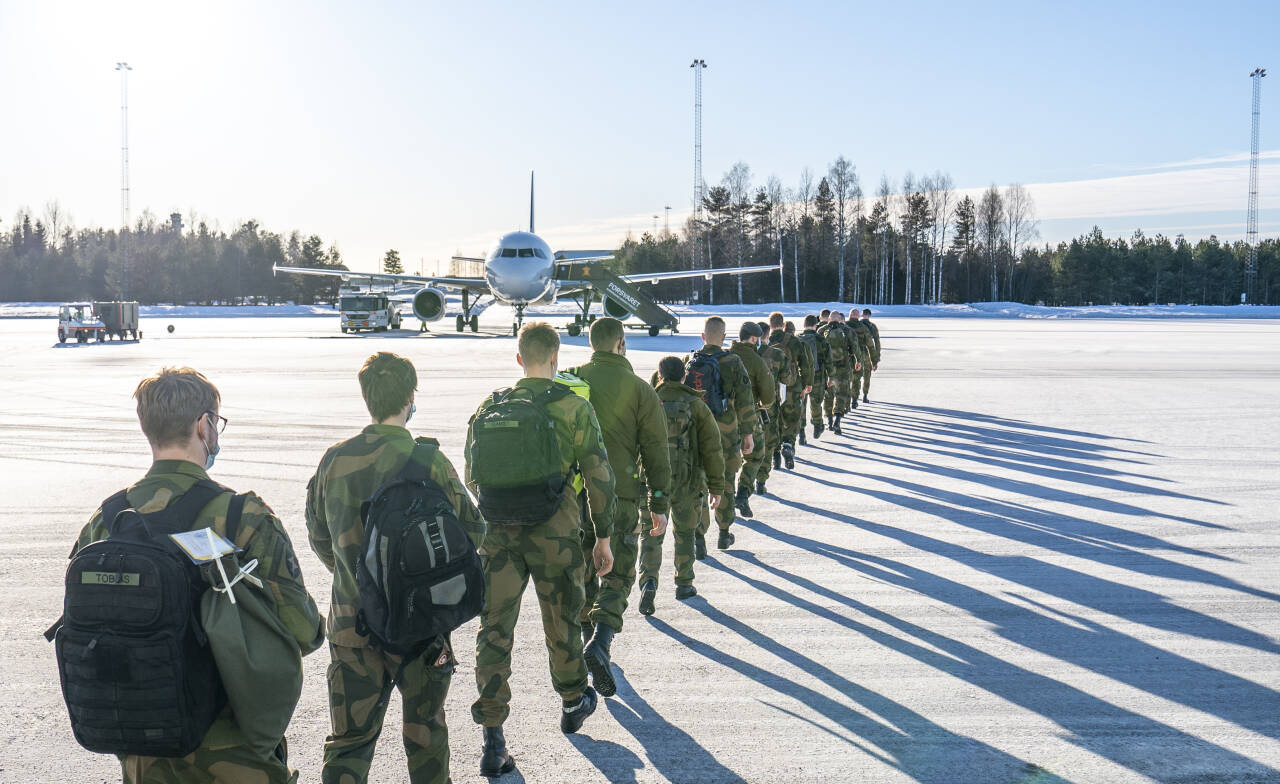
(875, 353)
(764, 388)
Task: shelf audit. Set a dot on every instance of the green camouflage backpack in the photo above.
(515, 458)
(680, 440)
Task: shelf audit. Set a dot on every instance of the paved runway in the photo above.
(1047, 553)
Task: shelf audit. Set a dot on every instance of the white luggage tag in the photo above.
(205, 545)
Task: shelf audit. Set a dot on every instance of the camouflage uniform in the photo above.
(780, 370)
(764, 388)
(360, 676)
(821, 365)
(841, 371)
(223, 755)
(635, 433)
(551, 555)
(792, 408)
(737, 421)
(875, 354)
(697, 463)
(866, 350)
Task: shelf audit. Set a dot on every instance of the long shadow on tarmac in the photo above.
(912, 744)
(674, 754)
(1130, 739)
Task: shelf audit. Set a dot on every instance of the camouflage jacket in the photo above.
(581, 445)
(875, 340)
(776, 360)
(822, 352)
(635, 430)
(763, 383)
(261, 535)
(803, 358)
(862, 341)
(347, 476)
(740, 419)
(707, 452)
(841, 345)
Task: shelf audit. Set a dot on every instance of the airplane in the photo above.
(521, 270)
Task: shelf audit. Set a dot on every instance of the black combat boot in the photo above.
(835, 426)
(777, 460)
(740, 502)
(817, 430)
(865, 400)
(789, 456)
(760, 488)
(597, 655)
(494, 760)
(572, 714)
(685, 592)
(700, 547)
(723, 543)
(648, 590)
(803, 442)
(831, 423)
(854, 401)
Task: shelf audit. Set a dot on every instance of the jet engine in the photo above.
(428, 304)
(616, 309)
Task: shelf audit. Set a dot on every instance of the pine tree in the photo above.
(391, 263)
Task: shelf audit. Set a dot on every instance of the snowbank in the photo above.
(50, 310)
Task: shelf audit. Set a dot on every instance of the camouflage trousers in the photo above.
(753, 463)
(606, 597)
(550, 555)
(688, 511)
(725, 512)
(223, 758)
(773, 442)
(816, 397)
(838, 403)
(360, 681)
(862, 379)
(792, 410)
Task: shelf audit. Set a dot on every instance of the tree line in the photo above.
(918, 241)
(914, 243)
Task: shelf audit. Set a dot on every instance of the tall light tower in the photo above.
(1251, 231)
(666, 220)
(699, 186)
(124, 69)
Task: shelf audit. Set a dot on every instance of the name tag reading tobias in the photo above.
(129, 579)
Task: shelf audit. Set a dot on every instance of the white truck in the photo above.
(88, 321)
(370, 311)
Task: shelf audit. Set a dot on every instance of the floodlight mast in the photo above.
(1251, 228)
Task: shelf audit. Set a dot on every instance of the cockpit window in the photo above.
(526, 253)
(508, 253)
(540, 253)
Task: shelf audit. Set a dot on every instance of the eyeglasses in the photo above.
(219, 421)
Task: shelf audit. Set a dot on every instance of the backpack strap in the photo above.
(111, 509)
(418, 467)
(235, 509)
(178, 515)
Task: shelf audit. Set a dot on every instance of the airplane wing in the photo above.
(571, 256)
(654, 277)
(470, 284)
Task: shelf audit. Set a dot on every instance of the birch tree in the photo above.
(1020, 226)
(843, 179)
(991, 232)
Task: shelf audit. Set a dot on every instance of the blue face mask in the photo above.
(413, 409)
(212, 454)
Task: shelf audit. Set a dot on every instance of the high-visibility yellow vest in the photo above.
(583, 390)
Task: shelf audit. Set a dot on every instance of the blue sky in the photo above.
(414, 125)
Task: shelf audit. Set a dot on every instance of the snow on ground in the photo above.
(790, 309)
(1047, 553)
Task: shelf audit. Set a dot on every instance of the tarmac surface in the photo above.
(1046, 552)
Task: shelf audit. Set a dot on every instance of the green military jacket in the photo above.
(799, 354)
(261, 535)
(862, 341)
(740, 419)
(581, 445)
(708, 456)
(347, 476)
(840, 343)
(822, 358)
(763, 382)
(875, 340)
(635, 430)
(776, 360)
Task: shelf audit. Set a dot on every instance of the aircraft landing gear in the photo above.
(462, 320)
(467, 318)
(581, 320)
(653, 332)
(515, 328)
(475, 324)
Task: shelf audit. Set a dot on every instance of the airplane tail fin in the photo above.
(531, 231)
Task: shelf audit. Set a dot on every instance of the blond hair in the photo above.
(538, 341)
(171, 401)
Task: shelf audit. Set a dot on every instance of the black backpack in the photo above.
(515, 459)
(702, 372)
(137, 672)
(419, 575)
(810, 341)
